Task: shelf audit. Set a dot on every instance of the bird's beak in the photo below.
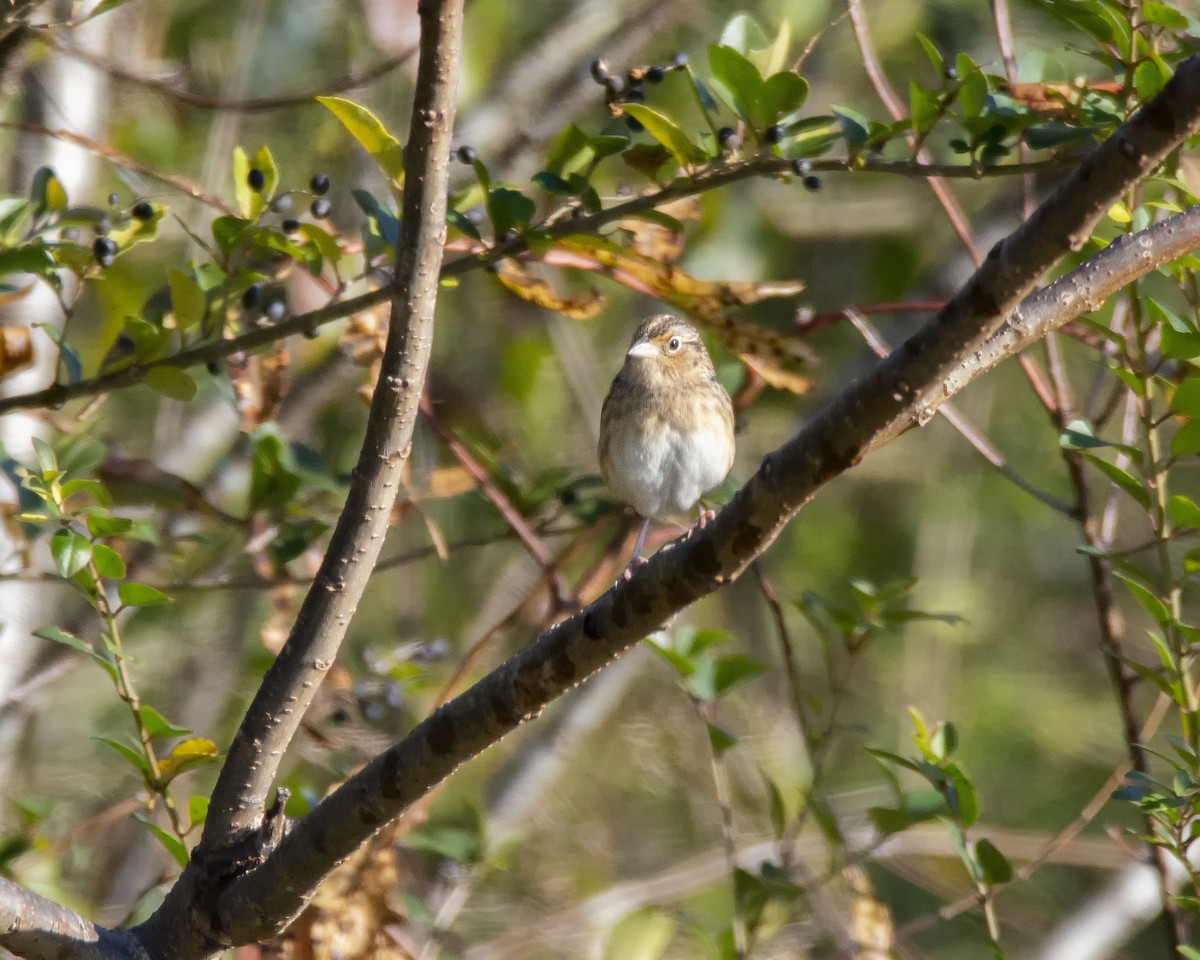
(643, 349)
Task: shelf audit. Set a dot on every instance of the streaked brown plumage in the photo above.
(666, 428)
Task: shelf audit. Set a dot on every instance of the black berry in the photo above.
(113, 199)
(275, 310)
(655, 74)
(319, 184)
(320, 208)
(633, 123)
(615, 86)
(951, 73)
(290, 225)
(812, 182)
(773, 133)
(727, 137)
(801, 167)
(636, 95)
(467, 155)
(104, 250)
(252, 296)
(142, 211)
(600, 71)
(679, 61)
(282, 203)
(213, 367)
(256, 179)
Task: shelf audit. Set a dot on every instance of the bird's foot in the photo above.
(703, 519)
(628, 574)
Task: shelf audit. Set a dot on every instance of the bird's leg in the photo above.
(636, 560)
(703, 518)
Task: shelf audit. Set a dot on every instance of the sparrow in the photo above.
(666, 427)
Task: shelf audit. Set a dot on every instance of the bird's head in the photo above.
(667, 347)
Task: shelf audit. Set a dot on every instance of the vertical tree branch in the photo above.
(288, 688)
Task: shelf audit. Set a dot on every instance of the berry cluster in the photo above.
(631, 88)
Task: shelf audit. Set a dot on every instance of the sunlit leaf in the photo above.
(367, 129)
(134, 594)
(71, 551)
(186, 754)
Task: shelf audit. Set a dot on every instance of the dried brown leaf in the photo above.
(16, 349)
(583, 306)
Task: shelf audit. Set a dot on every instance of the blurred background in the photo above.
(603, 820)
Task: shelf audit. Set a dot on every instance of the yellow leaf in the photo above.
(187, 753)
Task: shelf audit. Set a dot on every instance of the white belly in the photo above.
(668, 475)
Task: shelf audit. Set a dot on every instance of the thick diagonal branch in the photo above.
(901, 392)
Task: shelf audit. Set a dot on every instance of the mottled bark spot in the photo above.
(441, 736)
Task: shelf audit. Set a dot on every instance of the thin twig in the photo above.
(896, 109)
(251, 105)
(560, 592)
(965, 428)
(182, 184)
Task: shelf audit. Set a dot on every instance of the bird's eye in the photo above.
(673, 344)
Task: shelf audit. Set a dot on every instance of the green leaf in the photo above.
(230, 232)
(923, 107)
(197, 809)
(133, 594)
(134, 757)
(811, 137)
(187, 300)
(1190, 952)
(366, 128)
(782, 95)
(743, 34)
(855, 127)
(250, 203)
(273, 477)
(509, 210)
(720, 739)
(973, 87)
(158, 726)
(736, 80)
(1180, 346)
(778, 809)
(1123, 479)
(47, 193)
(995, 866)
(47, 461)
(944, 741)
(172, 382)
(1186, 440)
(1078, 435)
(1152, 604)
(1184, 512)
(934, 55)
(462, 844)
(642, 935)
(71, 551)
(732, 670)
(28, 258)
(570, 153)
(1164, 15)
(664, 130)
(169, 841)
(103, 7)
(55, 635)
(109, 563)
(1186, 399)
